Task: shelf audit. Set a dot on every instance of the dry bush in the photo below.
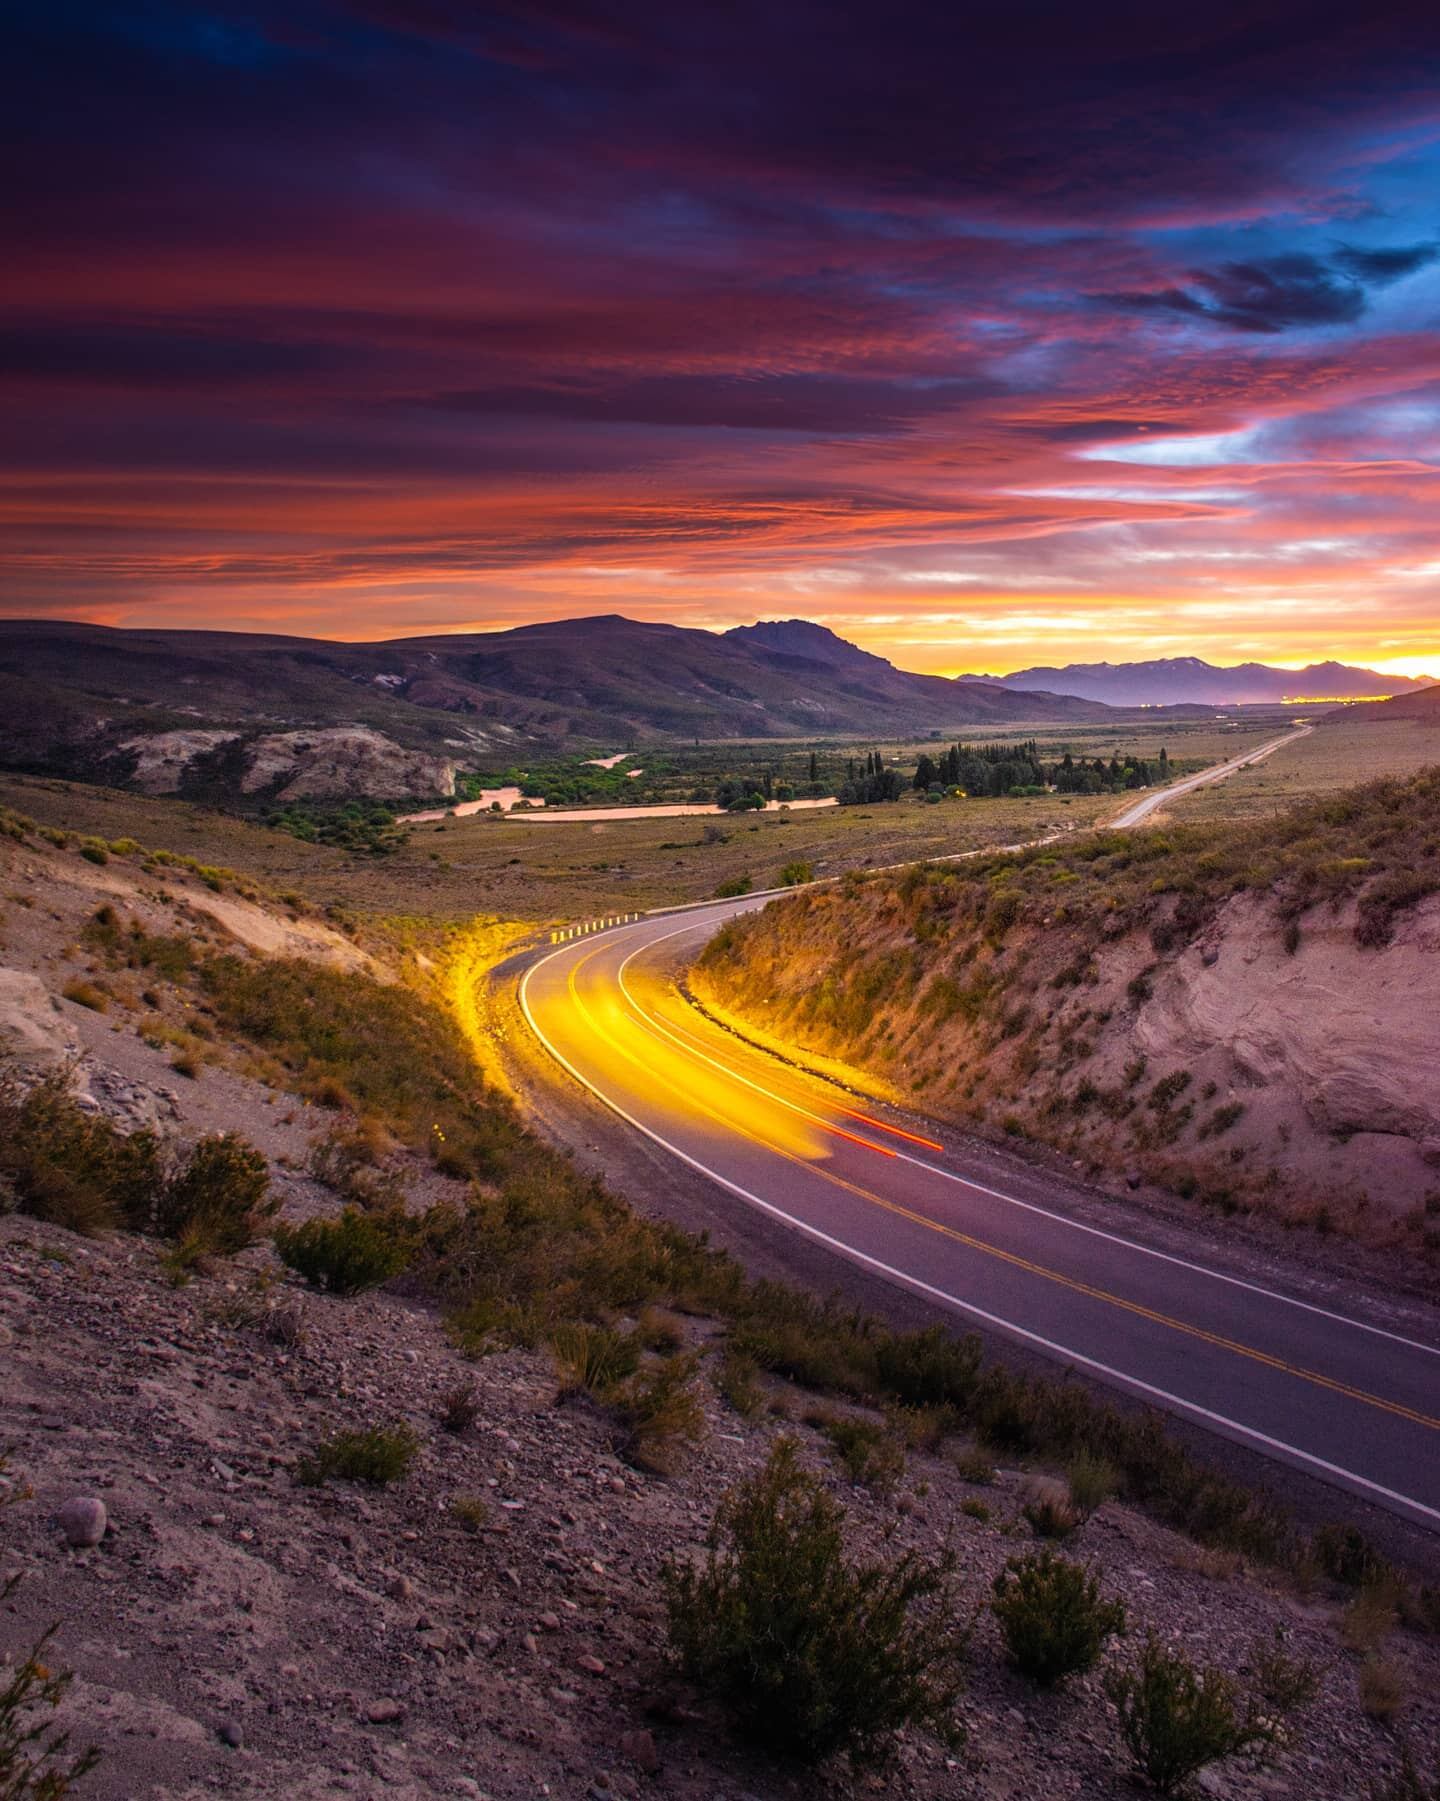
(815, 1655)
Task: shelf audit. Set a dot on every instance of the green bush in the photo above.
(346, 1256)
(657, 1413)
(34, 1760)
(72, 1168)
(220, 1199)
(1092, 1481)
(868, 1453)
(815, 1655)
(1176, 1719)
(1051, 1616)
(796, 874)
(377, 1455)
(593, 1359)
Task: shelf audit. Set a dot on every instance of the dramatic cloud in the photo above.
(989, 338)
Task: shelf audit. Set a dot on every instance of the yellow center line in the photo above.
(1043, 1271)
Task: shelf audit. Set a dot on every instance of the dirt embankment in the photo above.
(490, 1624)
(1242, 1017)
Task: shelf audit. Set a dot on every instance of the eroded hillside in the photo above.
(1243, 1014)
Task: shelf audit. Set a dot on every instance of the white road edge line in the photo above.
(949, 1175)
(1222, 1423)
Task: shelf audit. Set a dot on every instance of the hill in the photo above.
(407, 1533)
(217, 715)
(1171, 681)
(1236, 1013)
(1423, 704)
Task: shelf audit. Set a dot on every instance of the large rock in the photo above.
(344, 762)
(83, 1521)
(162, 758)
(1354, 1033)
(32, 1029)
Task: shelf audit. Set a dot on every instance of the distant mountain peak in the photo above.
(1168, 681)
(803, 638)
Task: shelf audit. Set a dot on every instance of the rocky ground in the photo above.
(235, 1632)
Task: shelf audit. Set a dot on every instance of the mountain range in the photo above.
(82, 699)
(1171, 681)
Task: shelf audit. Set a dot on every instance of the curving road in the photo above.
(1141, 809)
(1337, 1395)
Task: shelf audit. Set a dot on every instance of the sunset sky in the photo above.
(986, 336)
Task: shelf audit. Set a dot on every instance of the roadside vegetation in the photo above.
(1004, 989)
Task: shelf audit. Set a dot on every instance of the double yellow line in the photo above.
(1267, 1359)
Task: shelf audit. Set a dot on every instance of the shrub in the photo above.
(72, 1168)
(1092, 1482)
(593, 1359)
(1346, 1554)
(346, 1256)
(1370, 1618)
(975, 1464)
(867, 1452)
(1383, 1688)
(657, 1413)
(34, 1760)
(1176, 1719)
(1051, 1616)
(352, 1165)
(471, 1511)
(736, 1380)
(795, 874)
(220, 1199)
(734, 888)
(86, 994)
(815, 1655)
(1049, 1509)
(377, 1455)
(1286, 1682)
(458, 1408)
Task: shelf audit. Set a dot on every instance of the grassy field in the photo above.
(452, 871)
(484, 864)
(1354, 749)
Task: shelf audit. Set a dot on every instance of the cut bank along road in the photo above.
(1326, 1391)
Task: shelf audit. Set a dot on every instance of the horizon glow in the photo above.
(1059, 337)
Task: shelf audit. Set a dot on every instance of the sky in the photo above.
(986, 336)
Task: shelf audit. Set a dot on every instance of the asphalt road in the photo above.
(1322, 1389)
(1141, 809)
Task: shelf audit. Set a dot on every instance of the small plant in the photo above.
(346, 1256)
(816, 1656)
(659, 1331)
(74, 1169)
(1049, 1509)
(377, 1455)
(738, 1383)
(796, 874)
(352, 1164)
(459, 1407)
(592, 1360)
(34, 1760)
(1176, 1719)
(1370, 1618)
(975, 1464)
(1383, 1688)
(1286, 1682)
(1051, 1616)
(867, 1452)
(734, 888)
(87, 994)
(975, 1509)
(658, 1412)
(1092, 1482)
(220, 1200)
(470, 1511)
